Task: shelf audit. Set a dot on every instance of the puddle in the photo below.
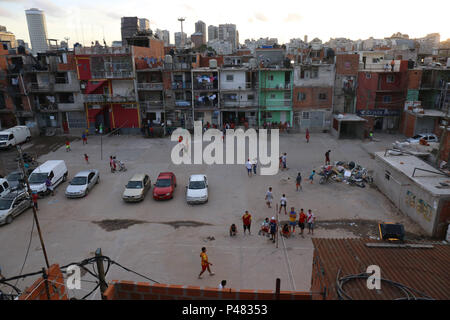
(117, 224)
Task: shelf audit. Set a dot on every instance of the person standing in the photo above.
(298, 182)
(269, 197)
(284, 161)
(68, 146)
(327, 157)
(111, 164)
(205, 263)
(273, 229)
(292, 220)
(307, 135)
(311, 177)
(84, 138)
(301, 222)
(35, 197)
(283, 203)
(310, 219)
(86, 158)
(392, 65)
(48, 184)
(254, 164)
(249, 168)
(222, 284)
(247, 221)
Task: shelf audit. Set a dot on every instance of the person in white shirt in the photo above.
(249, 168)
(283, 203)
(222, 284)
(269, 197)
(310, 219)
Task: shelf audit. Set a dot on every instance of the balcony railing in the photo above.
(177, 85)
(40, 87)
(151, 105)
(48, 107)
(70, 107)
(205, 104)
(102, 50)
(183, 103)
(380, 67)
(150, 86)
(205, 86)
(112, 74)
(281, 86)
(177, 66)
(234, 103)
(276, 103)
(104, 98)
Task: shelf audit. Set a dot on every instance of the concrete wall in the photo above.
(412, 200)
(123, 87)
(238, 81)
(325, 76)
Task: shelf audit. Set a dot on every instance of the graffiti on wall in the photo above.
(421, 206)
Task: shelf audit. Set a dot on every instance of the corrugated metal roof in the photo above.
(425, 270)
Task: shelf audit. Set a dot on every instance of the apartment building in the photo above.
(228, 32)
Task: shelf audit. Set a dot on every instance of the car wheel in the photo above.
(65, 177)
(9, 219)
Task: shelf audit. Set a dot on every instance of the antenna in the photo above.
(182, 19)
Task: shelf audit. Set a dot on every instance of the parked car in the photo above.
(14, 136)
(165, 186)
(136, 188)
(4, 187)
(15, 179)
(55, 169)
(428, 137)
(13, 204)
(82, 183)
(197, 189)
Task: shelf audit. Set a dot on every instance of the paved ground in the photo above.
(165, 242)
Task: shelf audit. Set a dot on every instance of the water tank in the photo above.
(168, 58)
(213, 64)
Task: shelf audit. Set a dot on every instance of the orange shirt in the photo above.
(204, 257)
(302, 217)
(247, 219)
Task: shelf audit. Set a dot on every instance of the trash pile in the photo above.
(350, 173)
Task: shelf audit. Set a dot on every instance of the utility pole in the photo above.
(19, 149)
(101, 272)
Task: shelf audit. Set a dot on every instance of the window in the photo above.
(314, 73)
(387, 99)
(271, 78)
(368, 75)
(230, 77)
(305, 115)
(272, 96)
(322, 96)
(11, 136)
(251, 97)
(301, 96)
(390, 78)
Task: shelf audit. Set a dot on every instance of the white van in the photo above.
(56, 169)
(4, 187)
(13, 136)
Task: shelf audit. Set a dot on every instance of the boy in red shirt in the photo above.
(86, 158)
(205, 263)
(34, 197)
(301, 222)
(247, 221)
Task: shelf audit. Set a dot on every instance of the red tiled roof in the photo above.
(426, 270)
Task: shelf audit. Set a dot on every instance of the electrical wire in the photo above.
(28, 250)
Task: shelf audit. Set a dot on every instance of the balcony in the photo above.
(40, 87)
(183, 103)
(179, 85)
(66, 87)
(205, 86)
(224, 86)
(70, 107)
(380, 66)
(209, 104)
(275, 87)
(154, 86)
(151, 105)
(104, 98)
(102, 50)
(348, 90)
(47, 107)
(234, 103)
(112, 74)
(276, 103)
(177, 66)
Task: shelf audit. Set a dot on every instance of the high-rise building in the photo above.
(180, 39)
(37, 29)
(213, 33)
(200, 27)
(144, 24)
(129, 27)
(228, 32)
(163, 35)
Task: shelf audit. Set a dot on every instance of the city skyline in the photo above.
(84, 22)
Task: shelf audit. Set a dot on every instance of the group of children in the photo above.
(84, 138)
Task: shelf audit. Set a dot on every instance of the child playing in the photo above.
(311, 177)
(68, 146)
(86, 158)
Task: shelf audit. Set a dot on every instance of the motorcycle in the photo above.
(354, 181)
(326, 175)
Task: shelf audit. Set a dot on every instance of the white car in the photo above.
(428, 137)
(82, 183)
(197, 190)
(13, 204)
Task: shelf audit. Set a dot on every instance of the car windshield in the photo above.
(163, 183)
(3, 137)
(417, 137)
(134, 185)
(15, 176)
(78, 181)
(5, 204)
(38, 177)
(195, 185)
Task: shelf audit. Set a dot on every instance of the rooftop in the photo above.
(423, 269)
(426, 180)
(349, 117)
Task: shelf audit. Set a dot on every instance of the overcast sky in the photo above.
(87, 20)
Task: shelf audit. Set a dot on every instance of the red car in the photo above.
(165, 186)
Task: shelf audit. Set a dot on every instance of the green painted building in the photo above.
(275, 95)
(432, 88)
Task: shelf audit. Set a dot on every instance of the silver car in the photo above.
(82, 183)
(13, 204)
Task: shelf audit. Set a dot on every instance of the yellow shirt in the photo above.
(204, 259)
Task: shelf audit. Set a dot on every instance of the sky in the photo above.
(88, 20)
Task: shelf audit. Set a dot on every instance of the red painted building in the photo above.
(381, 96)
